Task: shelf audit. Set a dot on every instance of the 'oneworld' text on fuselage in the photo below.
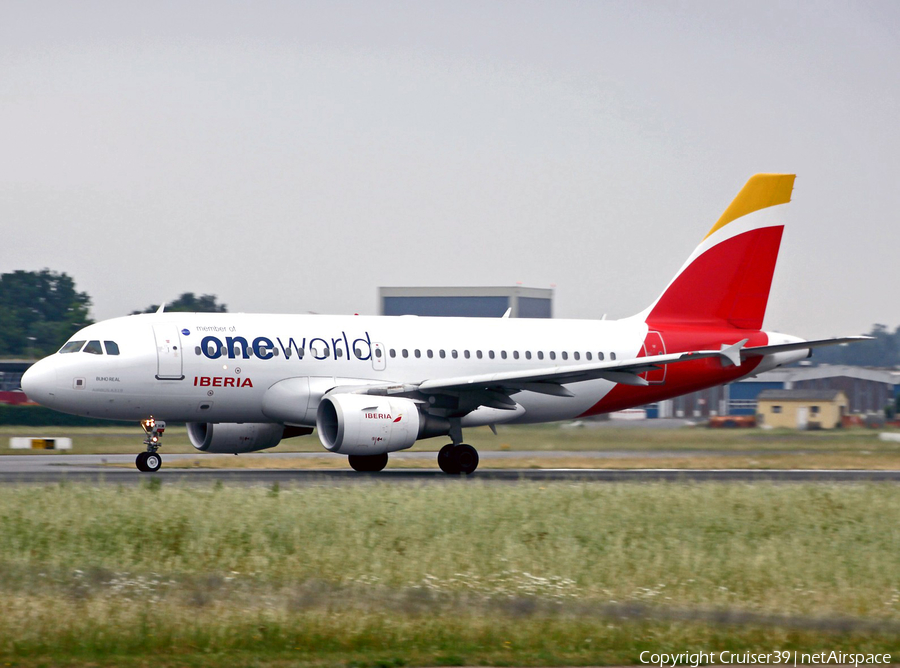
(264, 348)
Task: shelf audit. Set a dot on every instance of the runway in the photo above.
(96, 469)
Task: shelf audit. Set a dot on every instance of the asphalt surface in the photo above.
(23, 469)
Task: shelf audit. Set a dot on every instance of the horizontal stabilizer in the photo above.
(801, 345)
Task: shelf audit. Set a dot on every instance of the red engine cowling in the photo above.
(359, 424)
(231, 439)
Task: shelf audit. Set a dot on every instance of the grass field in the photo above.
(455, 574)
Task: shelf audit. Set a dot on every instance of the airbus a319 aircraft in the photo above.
(375, 385)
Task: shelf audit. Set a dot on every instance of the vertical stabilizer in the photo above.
(726, 281)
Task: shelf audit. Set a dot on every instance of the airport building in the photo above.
(867, 390)
(483, 302)
(801, 409)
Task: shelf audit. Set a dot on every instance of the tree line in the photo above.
(40, 310)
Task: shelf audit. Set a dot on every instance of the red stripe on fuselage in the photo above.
(684, 377)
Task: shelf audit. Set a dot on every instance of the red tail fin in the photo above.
(726, 280)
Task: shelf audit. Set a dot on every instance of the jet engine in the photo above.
(359, 424)
(232, 439)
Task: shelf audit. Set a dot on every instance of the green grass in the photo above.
(372, 574)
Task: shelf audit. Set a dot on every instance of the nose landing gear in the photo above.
(150, 461)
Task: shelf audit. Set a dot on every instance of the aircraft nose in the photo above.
(39, 382)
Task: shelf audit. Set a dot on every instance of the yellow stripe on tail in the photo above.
(760, 192)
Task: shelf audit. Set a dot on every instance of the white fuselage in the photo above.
(195, 367)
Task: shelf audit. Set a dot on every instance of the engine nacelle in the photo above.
(232, 439)
(360, 424)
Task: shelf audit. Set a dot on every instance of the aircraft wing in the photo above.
(494, 389)
(551, 380)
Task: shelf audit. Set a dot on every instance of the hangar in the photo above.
(868, 391)
(478, 302)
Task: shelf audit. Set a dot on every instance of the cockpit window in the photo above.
(72, 347)
(112, 348)
(93, 347)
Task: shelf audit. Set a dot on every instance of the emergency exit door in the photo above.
(169, 355)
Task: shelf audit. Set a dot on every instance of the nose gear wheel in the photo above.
(148, 462)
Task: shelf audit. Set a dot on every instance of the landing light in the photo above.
(153, 426)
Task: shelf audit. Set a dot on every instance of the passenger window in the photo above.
(405, 353)
(565, 355)
(454, 354)
(588, 356)
(503, 354)
(197, 350)
(442, 354)
(528, 354)
(93, 347)
(112, 348)
(491, 354)
(338, 352)
(577, 356)
(600, 356)
(393, 353)
(275, 352)
(72, 347)
(478, 354)
(540, 354)
(418, 353)
(552, 355)
(612, 356)
(466, 354)
(377, 353)
(430, 353)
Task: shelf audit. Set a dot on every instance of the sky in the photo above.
(292, 157)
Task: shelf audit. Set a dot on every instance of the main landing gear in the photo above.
(368, 463)
(150, 461)
(459, 458)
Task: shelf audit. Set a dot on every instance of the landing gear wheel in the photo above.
(445, 460)
(148, 462)
(368, 463)
(465, 458)
(456, 459)
(153, 461)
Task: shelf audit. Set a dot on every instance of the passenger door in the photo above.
(654, 345)
(169, 356)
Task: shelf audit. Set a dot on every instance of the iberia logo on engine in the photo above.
(219, 381)
(382, 416)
